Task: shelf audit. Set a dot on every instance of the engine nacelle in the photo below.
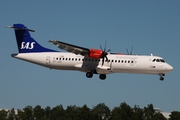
(95, 53)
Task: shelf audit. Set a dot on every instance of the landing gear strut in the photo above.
(102, 76)
(89, 74)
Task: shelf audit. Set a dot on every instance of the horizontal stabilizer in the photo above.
(18, 28)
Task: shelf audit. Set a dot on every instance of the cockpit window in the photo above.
(158, 60)
(162, 60)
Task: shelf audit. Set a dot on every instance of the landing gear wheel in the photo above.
(89, 74)
(161, 78)
(102, 76)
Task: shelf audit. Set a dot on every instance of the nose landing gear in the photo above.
(161, 77)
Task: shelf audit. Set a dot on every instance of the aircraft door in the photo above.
(48, 60)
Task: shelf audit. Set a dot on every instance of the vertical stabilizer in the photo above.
(25, 43)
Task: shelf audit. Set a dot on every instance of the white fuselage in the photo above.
(117, 63)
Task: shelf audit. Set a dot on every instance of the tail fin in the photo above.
(25, 43)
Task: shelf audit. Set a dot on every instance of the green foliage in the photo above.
(175, 115)
(98, 112)
(149, 112)
(123, 112)
(3, 114)
(21, 115)
(47, 112)
(71, 112)
(28, 113)
(138, 113)
(57, 113)
(11, 114)
(38, 112)
(158, 116)
(83, 113)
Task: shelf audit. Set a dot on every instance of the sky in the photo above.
(149, 26)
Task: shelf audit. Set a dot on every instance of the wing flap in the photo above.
(70, 48)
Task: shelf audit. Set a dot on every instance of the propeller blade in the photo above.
(109, 50)
(131, 50)
(105, 46)
(103, 61)
(107, 59)
(104, 53)
(127, 51)
(101, 47)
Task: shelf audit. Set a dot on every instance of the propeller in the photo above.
(130, 51)
(104, 54)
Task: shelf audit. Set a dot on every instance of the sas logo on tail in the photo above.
(27, 45)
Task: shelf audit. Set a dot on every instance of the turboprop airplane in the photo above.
(90, 61)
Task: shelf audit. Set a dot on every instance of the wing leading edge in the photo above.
(71, 48)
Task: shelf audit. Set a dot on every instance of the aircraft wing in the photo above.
(70, 48)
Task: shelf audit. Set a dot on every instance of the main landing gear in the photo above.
(90, 75)
(102, 76)
(161, 77)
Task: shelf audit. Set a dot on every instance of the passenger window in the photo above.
(72, 59)
(128, 61)
(57, 58)
(115, 60)
(119, 61)
(112, 60)
(66, 58)
(79, 59)
(76, 59)
(125, 61)
(122, 61)
(63, 59)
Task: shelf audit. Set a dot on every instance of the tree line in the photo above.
(98, 112)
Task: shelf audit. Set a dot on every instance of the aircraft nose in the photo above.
(169, 68)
